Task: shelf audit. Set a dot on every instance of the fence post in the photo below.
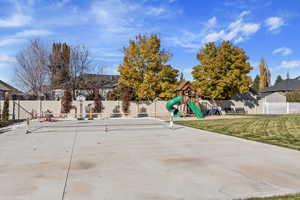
(155, 109)
(287, 107)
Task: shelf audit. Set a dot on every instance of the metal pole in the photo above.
(171, 120)
(105, 124)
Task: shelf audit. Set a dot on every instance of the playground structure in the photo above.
(188, 100)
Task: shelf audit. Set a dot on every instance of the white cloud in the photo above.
(32, 33)
(214, 36)
(156, 11)
(23, 35)
(236, 31)
(283, 50)
(7, 59)
(274, 23)
(121, 16)
(185, 39)
(62, 3)
(9, 41)
(192, 40)
(212, 22)
(16, 20)
(114, 15)
(290, 64)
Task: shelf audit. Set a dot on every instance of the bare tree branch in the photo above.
(31, 71)
(80, 63)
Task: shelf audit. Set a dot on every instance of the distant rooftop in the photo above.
(8, 88)
(284, 86)
(99, 80)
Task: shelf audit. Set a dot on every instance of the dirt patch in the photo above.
(81, 188)
(82, 165)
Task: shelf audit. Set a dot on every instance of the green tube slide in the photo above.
(195, 109)
(170, 106)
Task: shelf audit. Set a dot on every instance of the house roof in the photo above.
(8, 88)
(285, 85)
(183, 85)
(98, 80)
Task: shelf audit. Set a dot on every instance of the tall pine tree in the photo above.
(278, 79)
(255, 84)
(60, 66)
(5, 111)
(264, 74)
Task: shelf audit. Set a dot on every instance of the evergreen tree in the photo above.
(223, 71)
(5, 111)
(60, 66)
(181, 77)
(278, 79)
(263, 74)
(144, 69)
(268, 77)
(255, 84)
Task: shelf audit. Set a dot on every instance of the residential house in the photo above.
(288, 85)
(276, 92)
(89, 82)
(15, 93)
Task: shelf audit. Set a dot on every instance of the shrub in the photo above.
(293, 97)
(116, 112)
(5, 112)
(125, 96)
(98, 102)
(67, 101)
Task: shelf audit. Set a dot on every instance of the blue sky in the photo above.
(264, 28)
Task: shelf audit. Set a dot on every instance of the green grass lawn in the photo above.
(281, 130)
(287, 197)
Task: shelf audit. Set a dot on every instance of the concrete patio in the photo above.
(139, 159)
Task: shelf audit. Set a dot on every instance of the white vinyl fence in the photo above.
(281, 108)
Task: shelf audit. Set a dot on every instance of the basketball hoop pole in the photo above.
(171, 120)
(105, 124)
(81, 99)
